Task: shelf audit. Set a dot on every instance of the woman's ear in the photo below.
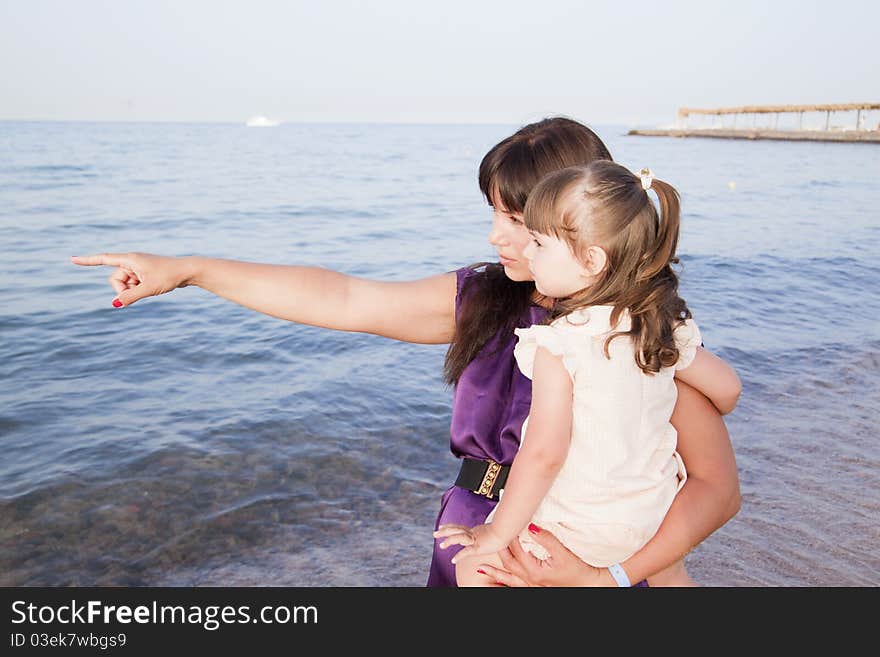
(596, 261)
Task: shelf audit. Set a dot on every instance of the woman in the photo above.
(475, 310)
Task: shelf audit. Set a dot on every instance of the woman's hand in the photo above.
(562, 568)
(139, 275)
(478, 540)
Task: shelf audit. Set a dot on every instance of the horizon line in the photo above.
(282, 122)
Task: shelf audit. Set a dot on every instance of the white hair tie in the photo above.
(647, 178)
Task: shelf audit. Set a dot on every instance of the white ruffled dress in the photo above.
(622, 471)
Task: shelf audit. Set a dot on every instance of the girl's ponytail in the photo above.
(663, 253)
(655, 305)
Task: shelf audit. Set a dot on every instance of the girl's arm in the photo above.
(534, 467)
(420, 311)
(544, 449)
(709, 498)
(713, 377)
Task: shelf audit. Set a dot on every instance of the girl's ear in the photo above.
(596, 260)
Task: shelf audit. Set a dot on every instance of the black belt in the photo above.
(485, 478)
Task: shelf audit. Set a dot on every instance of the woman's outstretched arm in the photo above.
(421, 311)
(709, 498)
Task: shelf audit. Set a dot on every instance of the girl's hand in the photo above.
(477, 540)
(562, 568)
(139, 275)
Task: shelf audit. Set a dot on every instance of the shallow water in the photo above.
(189, 441)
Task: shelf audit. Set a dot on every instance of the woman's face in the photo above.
(510, 237)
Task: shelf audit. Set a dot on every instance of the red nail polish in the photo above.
(534, 528)
(117, 303)
(481, 571)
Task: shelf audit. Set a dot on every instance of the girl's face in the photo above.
(558, 273)
(509, 236)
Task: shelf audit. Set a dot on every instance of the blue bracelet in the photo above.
(619, 575)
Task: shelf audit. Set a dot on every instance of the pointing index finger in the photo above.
(114, 259)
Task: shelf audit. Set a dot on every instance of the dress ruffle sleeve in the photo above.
(551, 338)
(687, 339)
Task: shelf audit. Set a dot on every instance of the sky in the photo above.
(394, 61)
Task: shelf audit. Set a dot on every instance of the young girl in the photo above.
(598, 467)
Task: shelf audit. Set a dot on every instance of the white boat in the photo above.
(261, 122)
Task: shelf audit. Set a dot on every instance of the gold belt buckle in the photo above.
(489, 479)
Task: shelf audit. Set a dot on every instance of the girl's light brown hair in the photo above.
(603, 204)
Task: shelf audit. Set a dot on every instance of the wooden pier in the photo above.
(858, 133)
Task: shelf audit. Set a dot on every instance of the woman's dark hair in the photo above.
(508, 172)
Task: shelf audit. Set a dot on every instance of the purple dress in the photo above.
(490, 403)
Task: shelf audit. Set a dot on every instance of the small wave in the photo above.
(55, 168)
(39, 187)
(823, 183)
(320, 211)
